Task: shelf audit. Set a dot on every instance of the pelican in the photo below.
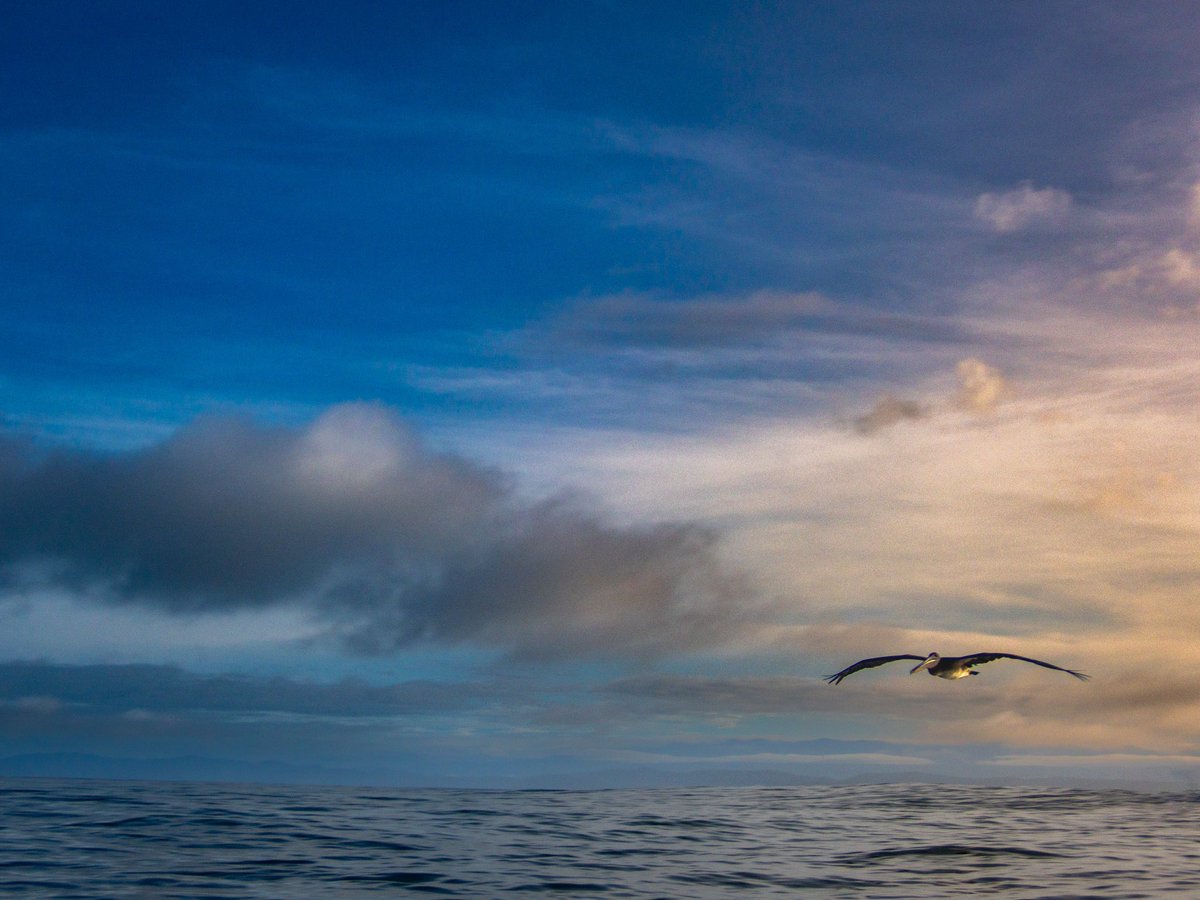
(946, 666)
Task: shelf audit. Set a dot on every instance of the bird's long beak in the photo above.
(925, 665)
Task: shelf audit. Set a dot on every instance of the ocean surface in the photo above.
(75, 838)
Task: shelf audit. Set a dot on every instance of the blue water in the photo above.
(73, 838)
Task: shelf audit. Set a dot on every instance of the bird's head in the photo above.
(930, 660)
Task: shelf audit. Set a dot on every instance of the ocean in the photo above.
(65, 838)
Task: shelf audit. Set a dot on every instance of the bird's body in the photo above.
(949, 667)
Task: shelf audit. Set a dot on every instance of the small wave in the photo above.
(395, 877)
(101, 800)
(370, 844)
(41, 886)
(38, 864)
(947, 850)
(873, 841)
(563, 886)
(223, 823)
(751, 880)
(145, 822)
(660, 822)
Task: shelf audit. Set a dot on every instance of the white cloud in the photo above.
(1021, 207)
(1181, 268)
(981, 386)
(353, 447)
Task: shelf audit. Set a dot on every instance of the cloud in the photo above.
(1010, 705)
(1021, 207)
(720, 321)
(355, 520)
(889, 411)
(981, 386)
(162, 689)
(980, 389)
(147, 711)
(1181, 268)
(899, 698)
(1057, 520)
(1094, 759)
(1122, 708)
(782, 758)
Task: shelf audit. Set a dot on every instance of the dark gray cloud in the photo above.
(354, 519)
(140, 712)
(888, 411)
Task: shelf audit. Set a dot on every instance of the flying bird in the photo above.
(946, 666)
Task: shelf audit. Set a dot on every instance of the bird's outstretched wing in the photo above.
(870, 664)
(978, 659)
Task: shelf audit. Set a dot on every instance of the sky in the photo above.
(552, 394)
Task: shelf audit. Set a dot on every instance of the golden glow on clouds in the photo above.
(982, 387)
(1042, 496)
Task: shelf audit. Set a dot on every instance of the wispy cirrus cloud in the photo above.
(706, 323)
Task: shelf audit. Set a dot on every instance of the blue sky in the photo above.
(478, 392)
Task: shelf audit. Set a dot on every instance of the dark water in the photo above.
(65, 838)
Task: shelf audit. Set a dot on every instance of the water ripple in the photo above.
(109, 839)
